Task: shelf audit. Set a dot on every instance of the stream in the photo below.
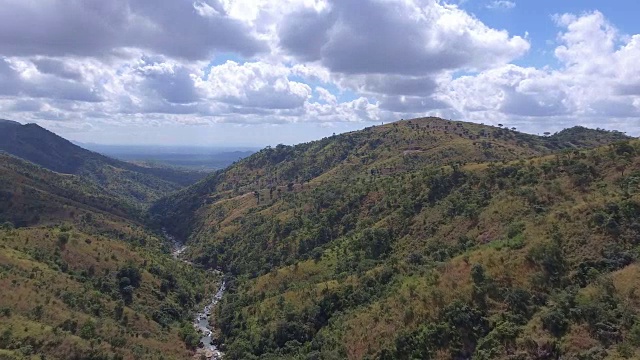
(201, 323)
(202, 320)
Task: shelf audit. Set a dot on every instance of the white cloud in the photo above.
(97, 28)
(326, 96)
(255, 85)
(501, 4)
(409, 37)
(597, 80)
(138, 63)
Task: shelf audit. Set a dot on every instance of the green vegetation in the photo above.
(424, 239)
(83, 278)
(421, 239)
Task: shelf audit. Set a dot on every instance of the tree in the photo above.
(88, 330)
(189, 335)
(555, 321)
(622, 165)
(6, 226)
(118, 310)
(63, 239)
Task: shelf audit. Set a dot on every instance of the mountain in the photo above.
(422, 239)
(395, 148)
(137, 184)
(83, 278)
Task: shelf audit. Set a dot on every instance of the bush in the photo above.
(189, 335)
(634, 334)
(63, 239)
(555, 321)
(88, 330)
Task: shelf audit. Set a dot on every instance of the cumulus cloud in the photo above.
(255, 85)
(395, 37)
(327, 61)
(326, 96)
(168, 81)
(19, 78)
(97, 27)
(598, 79)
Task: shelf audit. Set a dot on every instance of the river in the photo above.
(202, 320)
(202, 323)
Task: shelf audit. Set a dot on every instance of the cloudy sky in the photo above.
(259, 72)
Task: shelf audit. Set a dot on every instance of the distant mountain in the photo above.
(8, 122)
(138, 184)
(424, 239)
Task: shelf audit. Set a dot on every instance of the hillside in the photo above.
(137, 184)
(424, 239)
(32, 195)
(83, 279)
(395, 148)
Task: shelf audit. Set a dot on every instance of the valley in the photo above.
(319, 180)
(374, 244)
(84, 276)
(423, 238)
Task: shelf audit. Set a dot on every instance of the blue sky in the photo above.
(261, 72)
(536, 19)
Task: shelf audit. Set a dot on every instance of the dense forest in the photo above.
(424, 239)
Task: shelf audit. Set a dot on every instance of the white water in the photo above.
(202, 320)
(201, 323)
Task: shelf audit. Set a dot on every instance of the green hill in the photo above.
(396, 148)
(82, 277)
(137, 184)
(424, 239)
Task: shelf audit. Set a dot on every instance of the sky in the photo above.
(264, 72)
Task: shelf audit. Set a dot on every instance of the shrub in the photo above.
(88, 330)
(555, 321)
(63, 239)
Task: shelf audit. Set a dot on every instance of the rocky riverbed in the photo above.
(202, 321)
(202, 324)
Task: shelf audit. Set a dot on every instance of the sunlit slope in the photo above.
(395, 251)
(82, 278)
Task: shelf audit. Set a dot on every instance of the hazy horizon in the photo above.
(247, 138)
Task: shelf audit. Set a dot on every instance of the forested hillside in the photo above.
(396, 148)
(425, 239)
(139, 185)
(81, 276)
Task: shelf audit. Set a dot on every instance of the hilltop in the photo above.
(395, 148)
(424, 238)
(137, 184)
